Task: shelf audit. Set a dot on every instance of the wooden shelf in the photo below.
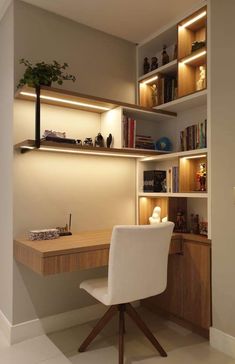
(176, 155)
(75, 100)
(196, 58)
(170, 67)
(195, 99)
(176, 194)
(29, 145)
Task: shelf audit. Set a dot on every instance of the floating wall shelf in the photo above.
(74, 100)
(29, 145)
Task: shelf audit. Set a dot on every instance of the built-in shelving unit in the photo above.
(187, 75)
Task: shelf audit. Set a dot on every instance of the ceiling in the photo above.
(133, 20)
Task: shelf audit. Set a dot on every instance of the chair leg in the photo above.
(122, 309)
(98, 327)
(142, 326)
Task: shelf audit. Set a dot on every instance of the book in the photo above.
(194, 136)
(155, 181)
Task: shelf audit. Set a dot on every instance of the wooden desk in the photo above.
(89, 249)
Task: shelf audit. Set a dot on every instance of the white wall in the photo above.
(221, 107)
(104, 65)
(6, 154)
(99, 191)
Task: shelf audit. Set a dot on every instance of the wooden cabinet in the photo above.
(196, 287)
(187, 298)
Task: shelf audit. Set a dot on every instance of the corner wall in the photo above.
(99, 191)
(6, 158)
(221, 109)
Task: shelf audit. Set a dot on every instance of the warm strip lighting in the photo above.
(195, 156)
(64, 101)
(145, 82)
(109, 154)
(194, 57)
(193, 20)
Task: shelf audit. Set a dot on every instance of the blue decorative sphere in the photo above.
(163, 144)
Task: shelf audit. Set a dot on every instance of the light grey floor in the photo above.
(61, 348)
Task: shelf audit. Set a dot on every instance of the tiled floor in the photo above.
(61, 348)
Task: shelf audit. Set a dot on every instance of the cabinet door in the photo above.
(170, 300)
(197, 286)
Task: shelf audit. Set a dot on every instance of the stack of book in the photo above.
(144, 142)
(194, 136)
(129, 132)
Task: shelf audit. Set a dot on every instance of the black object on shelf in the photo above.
(155, 181)
(65, 233)
(60, 140)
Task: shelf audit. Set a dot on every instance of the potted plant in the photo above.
(43, 74)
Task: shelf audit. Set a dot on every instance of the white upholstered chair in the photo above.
(137, 269)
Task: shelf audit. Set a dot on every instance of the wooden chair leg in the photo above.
(98, 327)
(121, 332)
(142, 326)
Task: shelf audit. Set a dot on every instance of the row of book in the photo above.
(166, 89)
(194, 136)
(133, 140)
(162, 180)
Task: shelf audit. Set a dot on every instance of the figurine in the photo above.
(201, 83)
(146, 65)
(154, 95)
(165, 57)
(180, 225)
(79, 142)
(99, 140)
(165, 219)
(156, 216)
(88, 142)
(154, 63)
(201, 176)
(109, 140)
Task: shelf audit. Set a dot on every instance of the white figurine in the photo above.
(156, 216)
(201, 83)
(165, 219)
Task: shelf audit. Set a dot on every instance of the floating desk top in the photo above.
(88, 249)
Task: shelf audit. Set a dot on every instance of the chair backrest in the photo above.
(138, 261)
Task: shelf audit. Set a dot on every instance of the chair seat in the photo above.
(98, 288)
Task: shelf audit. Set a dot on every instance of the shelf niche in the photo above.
(188, 169)
(190, 30)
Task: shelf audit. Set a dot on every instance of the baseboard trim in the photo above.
(5, 327)
(222, 342)
(29, 329)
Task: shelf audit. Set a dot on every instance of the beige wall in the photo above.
(6, 115)
(104, 65)
(221, 108)
(99, 191)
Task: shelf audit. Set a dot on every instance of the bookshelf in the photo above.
(182, 76)
(188, 131)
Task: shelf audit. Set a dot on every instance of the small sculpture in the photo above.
(165, 219)
(109, 140)
(88, 142)
(194, 228)
(146, 65)
(154, 63)
(79, 142)
(180, 225)
(165, 56)
(156, 216)
(154, 95)
(99, 140)
(198, 45)
(201, 176)
(201, 83)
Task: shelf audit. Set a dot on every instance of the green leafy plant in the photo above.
(43, 74)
